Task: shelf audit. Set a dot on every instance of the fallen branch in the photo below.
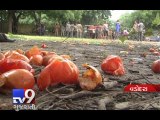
(146, 79)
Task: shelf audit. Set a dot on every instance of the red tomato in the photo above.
(33, 51)
(58, 71)
(9, 64)
(19, 78)
(36, 60)
(45, 53)
(152, 50)
(156, 66)
(43, 45)
(113, 65)
(48, 58)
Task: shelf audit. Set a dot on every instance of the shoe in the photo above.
(7, 40)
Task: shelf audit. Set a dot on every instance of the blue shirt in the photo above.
(118, 26)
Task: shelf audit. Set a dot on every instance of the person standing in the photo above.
(80, 30)
(57, 29)
(135, 27)
(118, 28)
(43, 29)
(62, 30)
(106, 29)
(140, 30)
(68, 29)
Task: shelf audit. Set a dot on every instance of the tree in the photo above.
(13, 19)
(94, 16)
(150, 18)
(50, 17)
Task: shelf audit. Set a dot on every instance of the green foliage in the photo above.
(156, 21)
(62, 16)
(123, 38)
(150, 18)
(95, 16)
(149, 32)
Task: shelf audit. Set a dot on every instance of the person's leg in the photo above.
(116, 37)
(107, 35)
(140, 35)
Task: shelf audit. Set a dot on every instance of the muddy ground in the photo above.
(71, 97)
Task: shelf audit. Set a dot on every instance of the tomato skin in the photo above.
(9, 64)
(58, 71)
(156, 66)
(18, 78)
(36, 60)
(113, 65)
(91, 78)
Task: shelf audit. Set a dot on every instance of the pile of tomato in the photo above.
(16, 70)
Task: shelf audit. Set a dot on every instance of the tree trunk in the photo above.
(10, 21)
(15, 23)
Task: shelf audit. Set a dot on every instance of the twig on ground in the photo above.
(37, 106)
(141, 103)
(80, 94)
(146, 79)
(53, 105)
(53, 91)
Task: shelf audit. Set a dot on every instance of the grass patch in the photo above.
(76, 40)
(58, 39)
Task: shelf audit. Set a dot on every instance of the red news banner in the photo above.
(142, 88)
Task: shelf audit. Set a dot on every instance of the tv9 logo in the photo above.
(23, 96)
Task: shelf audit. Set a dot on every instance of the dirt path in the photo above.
(72, 98)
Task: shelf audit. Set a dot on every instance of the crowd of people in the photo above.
(87, 31)
(103, 31)
(139, 28)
